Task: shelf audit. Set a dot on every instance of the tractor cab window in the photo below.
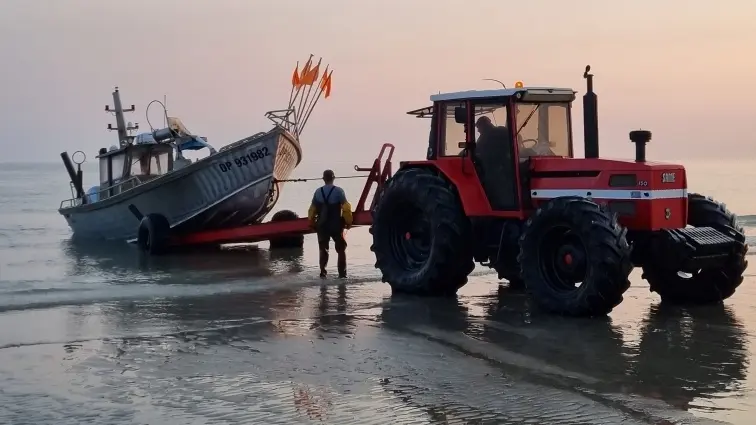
(493, 138)
(454, 132)
(543, 129)
(495, 114)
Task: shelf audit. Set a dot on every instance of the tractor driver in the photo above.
(493, 142)
(493, 154)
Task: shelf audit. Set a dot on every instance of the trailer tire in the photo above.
(292, 241)
(708, 286)
(437, 260)
(153, 234)
(570, 240)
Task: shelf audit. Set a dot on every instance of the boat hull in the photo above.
(232, 187)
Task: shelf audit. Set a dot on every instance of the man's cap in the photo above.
(328, 175)
(483, 119)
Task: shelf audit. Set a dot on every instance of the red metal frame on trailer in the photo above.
(379, 174)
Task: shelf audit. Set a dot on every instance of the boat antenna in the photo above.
(492, 79)
(123, 130)
(147, 113)
(165, 108)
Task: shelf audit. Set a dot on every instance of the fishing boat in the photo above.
(148, 174)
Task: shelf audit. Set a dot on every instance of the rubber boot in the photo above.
(323, 263)
(342, 264)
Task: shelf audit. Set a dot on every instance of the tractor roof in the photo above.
(477, 94)
(535, 94)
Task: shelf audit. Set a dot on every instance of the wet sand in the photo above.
(243, 337)
(99, 334)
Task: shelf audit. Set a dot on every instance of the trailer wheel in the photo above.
(153, 234)
(571, 241)
(294, 241)
(707, 286)
(422, 239)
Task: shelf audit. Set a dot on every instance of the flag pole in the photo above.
(304, 99)
(298, 91)
(310, 102)
(322, 89)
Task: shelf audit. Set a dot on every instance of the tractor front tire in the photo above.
(707, 286)
(422, 238)
(569, 241)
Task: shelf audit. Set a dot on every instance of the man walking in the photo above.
(330, 213)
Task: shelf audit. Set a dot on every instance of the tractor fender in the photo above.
(458, 172)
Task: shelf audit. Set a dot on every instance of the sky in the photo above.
(682, 69)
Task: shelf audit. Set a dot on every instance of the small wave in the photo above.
(747, 220)
(34, 299)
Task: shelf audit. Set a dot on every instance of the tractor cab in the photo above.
(499, 130)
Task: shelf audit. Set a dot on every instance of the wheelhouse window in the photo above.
(454, 132)
(149, 163)
(544, 129)
(104, 170)
(116, 164)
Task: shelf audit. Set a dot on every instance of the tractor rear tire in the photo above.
(422, 238)
(293, 241)
(708, 286)
(570, 240)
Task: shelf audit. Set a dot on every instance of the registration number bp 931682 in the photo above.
(244, 160)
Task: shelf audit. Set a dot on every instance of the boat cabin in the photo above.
(124, 168)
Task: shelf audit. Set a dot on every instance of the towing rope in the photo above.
(318, 178)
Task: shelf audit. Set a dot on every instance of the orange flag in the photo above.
(309, 78)
(325, 84)
(305, 71)
(295, 78)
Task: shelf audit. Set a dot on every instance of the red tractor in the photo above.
(500, 186)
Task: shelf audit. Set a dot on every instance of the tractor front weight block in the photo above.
(695, 248)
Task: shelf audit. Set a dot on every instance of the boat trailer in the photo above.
(155, 234)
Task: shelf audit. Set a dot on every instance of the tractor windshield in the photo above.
(543, 129)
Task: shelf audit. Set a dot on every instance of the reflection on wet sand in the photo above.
(333, 317)
(683, 354)
(686, 354)
(118, 259)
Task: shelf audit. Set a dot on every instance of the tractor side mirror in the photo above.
(460, 115)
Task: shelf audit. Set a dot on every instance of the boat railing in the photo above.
(242, 141)
(103, 194)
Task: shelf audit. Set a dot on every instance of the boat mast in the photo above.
(123, 129)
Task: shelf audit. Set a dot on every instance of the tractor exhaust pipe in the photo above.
(590, 117)
(640, 138)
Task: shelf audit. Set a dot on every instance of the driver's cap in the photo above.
(483, 120)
